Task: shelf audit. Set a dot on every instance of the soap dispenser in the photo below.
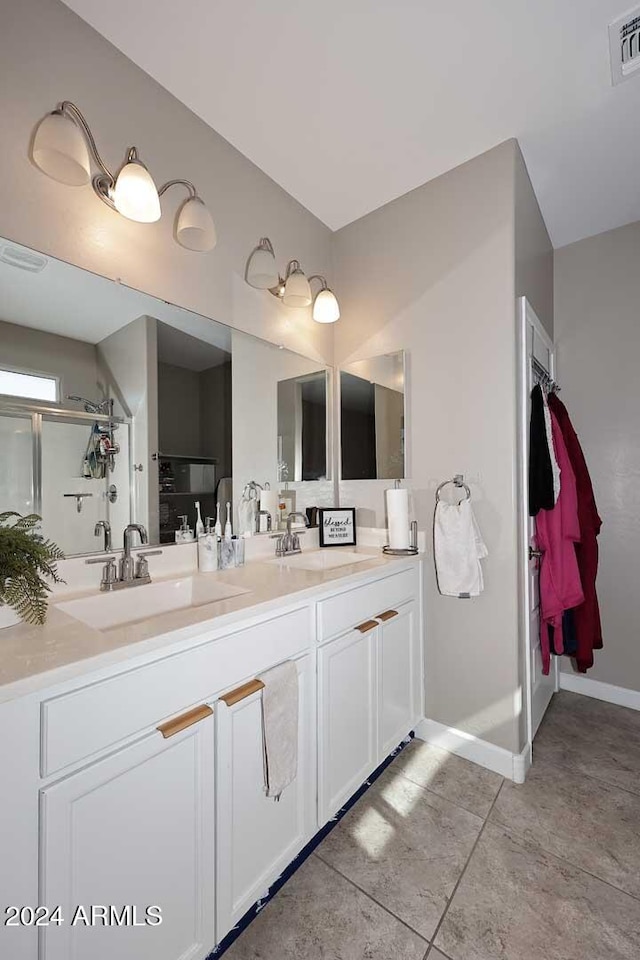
(286, 505)
(185, 533)
(207, 550)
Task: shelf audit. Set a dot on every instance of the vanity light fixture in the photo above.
(297, 292)
(294, 289)
(63, 147)
(325, 304)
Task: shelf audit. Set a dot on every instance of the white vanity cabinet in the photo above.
(129, 808)
(141, 784)
(133, 830)
(257, 836)
(347, 717)
(399, 675)
(369, 682)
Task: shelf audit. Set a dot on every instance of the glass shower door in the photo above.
(17, 481)
(72, 502)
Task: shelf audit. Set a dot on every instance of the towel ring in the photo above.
(457, 481)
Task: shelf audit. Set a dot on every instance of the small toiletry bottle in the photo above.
(199, 523)
(286, 505)
(207, 550)
(218, 526)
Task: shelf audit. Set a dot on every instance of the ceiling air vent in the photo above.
(24, 259)
(624, 45)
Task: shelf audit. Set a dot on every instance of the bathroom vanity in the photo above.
(131, 723)
(133, 758)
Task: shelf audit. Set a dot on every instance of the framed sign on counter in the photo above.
(337, 526)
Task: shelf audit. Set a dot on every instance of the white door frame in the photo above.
(527, 320)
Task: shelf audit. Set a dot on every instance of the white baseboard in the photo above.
(521, 764)
(512, 766)
(578, 683)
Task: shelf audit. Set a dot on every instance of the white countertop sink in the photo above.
(322, 559)
(105, 610)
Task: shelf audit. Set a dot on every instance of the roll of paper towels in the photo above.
(269, 501)
(398, 519)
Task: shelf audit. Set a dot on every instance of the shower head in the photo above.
(93, 406)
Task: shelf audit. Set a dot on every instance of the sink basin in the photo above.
(106, 610)
(322, 559)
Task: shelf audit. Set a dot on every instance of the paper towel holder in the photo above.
(410, 551)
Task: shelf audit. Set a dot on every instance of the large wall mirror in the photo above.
(372, 418)
(302, 427)
(118, 407)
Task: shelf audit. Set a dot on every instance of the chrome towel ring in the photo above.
(457, 481)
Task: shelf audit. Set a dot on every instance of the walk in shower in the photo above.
(62, 464)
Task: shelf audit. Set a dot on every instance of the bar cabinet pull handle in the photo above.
(171, 727)
(241, 693)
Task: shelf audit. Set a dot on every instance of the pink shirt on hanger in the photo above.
(557, 532)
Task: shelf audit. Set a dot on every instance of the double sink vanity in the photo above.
(135, 754)
(132, 734)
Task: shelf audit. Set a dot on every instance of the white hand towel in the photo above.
(458, 549)
(280, 727)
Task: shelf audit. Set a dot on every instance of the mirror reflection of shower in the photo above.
(57, 464)
(94, 406)
(102, 448)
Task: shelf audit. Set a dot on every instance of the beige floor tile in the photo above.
(598, 739)
(318, 915)
(405, 846)
(517, 902)
(436, 955)
(591, 824)
(458, 780)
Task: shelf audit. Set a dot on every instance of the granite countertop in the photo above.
(35, 657)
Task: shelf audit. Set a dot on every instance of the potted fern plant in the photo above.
(28, 566)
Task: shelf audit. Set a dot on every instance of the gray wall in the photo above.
(74, 361)
(598, 342)
(533, 280)
(130, 357)
(47, 54)
(194, 413)
(533, 249)
(179, 411)
(215, 416)
(433, 273)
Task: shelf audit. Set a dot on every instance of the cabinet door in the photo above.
(347, 718)
(132, 831)
(258, 837)
(399, 676)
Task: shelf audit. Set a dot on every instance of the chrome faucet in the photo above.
(105, 526)
(289, 542)
(131, 572)
(127, 563)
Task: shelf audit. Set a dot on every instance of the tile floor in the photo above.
(444, 860)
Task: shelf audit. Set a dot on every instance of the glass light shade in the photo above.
(195, 229)
(325, 307)
(60, 151)
(135, 195)
(262, 272)
(297, 292)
